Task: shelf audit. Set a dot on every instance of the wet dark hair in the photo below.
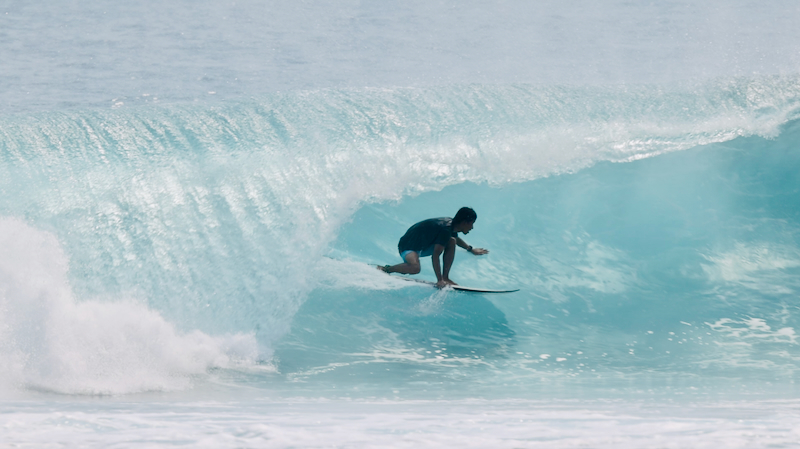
(465, 214)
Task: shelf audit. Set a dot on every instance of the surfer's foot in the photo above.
(445, 284)
(384, 268)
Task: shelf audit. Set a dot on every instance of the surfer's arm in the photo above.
(466, 246)
(437, 267)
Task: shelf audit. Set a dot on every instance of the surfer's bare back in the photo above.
(433, 237)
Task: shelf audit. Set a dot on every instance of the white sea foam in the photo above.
(340, 274)
(759, 266)
(435, 424)
(50, 341)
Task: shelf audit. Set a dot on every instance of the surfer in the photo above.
(434, 237)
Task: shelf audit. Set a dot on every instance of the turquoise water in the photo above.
(253, 223)
(192, 236)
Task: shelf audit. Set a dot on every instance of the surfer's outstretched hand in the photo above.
(479, 251)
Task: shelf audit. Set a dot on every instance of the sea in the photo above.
(193, 196)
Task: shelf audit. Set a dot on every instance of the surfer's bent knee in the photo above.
(411, 258)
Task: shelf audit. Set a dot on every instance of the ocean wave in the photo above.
(216, 220)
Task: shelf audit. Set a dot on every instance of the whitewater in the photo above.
(192, 193)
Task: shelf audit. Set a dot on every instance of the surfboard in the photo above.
(460, 288)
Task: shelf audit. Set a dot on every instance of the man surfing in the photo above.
(433, 237)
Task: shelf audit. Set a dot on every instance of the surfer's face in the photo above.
(466, 227)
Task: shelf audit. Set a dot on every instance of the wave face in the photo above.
(237, 236)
